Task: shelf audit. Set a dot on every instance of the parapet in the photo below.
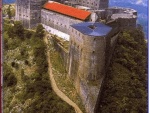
(121, 17)
(114, 10)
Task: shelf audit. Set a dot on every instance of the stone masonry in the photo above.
(91, 41)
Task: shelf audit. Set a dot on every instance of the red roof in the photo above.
(67, 10)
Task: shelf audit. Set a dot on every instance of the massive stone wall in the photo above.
(121, 17)
(117, 10)
(35, 14)
(90, 55)
(86, 66)
(29, 12)
(93, 4)
(62, 51)
(23, 12)
(57, 21)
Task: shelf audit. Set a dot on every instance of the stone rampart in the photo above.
(61, 50)
(29, 12)
(87, 66)
(57, 21)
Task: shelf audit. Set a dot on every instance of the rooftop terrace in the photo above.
(92, 28)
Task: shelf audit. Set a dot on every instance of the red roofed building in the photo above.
(59, 16)
(67, 10)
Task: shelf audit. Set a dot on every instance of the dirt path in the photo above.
(54, 85)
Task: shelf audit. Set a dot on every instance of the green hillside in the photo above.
(27, 87)
(125, 85)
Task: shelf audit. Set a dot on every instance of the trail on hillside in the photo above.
(54, 85)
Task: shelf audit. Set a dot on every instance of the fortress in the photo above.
(91, 28)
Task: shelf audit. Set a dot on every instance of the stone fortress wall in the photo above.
(93, 4)
(88, 55)
(29, 12)
(86, 63)
(124, 17)
(59, 48)
(57, 21)
(114, 16)
(118, 16)
(23, 12)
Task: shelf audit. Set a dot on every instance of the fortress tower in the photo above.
(29, 12)
(93, 4)
(91, 43)
(88, 42)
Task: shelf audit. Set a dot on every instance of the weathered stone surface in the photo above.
(88, 56)
(94, 4)
(29, 12)
(57, 21)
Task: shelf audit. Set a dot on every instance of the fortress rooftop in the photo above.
(92, 28)
(67, 10)
(122, 15)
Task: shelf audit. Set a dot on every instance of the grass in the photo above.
(60, 75)
(11, 101)
(27, 93)
(62, 42)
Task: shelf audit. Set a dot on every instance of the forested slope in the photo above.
(27, 87)
(125, 85)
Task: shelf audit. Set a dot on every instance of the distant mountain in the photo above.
(8, 1)
(140, 5)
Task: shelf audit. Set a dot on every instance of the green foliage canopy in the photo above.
(125, 85)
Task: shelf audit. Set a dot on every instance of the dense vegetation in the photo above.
(60, 74)
(27, 87)
(9, 10)
(125, 85)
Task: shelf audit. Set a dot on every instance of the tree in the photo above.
(9, 77)
(125, 85)
(26, 62)
(15, 65)
(6, 46)
(10, 31)
(9, 12)
(22, 73)
(19, 30)
(39, 31)
(27, 34)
